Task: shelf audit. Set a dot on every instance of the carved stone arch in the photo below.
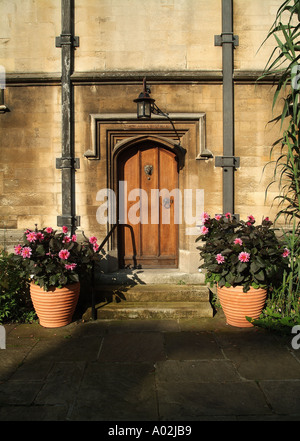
(113, 137)
(148, 165)
(166, 143)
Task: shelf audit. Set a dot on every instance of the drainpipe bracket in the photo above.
(226, 37)
(65, 220)
(66, 39)
(73, 163)
(227, 161)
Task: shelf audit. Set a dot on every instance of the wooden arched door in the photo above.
(149, 205)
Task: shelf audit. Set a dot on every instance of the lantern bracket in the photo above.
(145, 98)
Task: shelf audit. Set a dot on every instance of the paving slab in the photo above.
(195, 371)
(133, 347)
(112, 392)
(136, 325)
(72, 348)
(19, 392)
(148, 370)
(283, 396)
(33, 413)
(181, 401)
(62, 384)
(258, 355)
(191, 346)
(13, 356)
(32, 370)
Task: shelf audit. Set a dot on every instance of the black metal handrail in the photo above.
(94, 314)
(116, 225)
(107, 237)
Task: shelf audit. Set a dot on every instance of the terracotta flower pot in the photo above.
(237, 305)
(55, 308)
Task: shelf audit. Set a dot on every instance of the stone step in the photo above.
(160, 301)
(146, 293)
(151, 310)
(152, 293)
(149, 276)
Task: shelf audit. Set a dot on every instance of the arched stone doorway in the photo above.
(114, 134)
(149, 205)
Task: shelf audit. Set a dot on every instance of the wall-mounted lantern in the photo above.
(146, 106)
(3, 107)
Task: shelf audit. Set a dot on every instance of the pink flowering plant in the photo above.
(52, 258)
(241, 253)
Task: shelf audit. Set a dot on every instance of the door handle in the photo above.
(167, 202)
(148, 169)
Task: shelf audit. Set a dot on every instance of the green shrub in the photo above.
(283, 306)
(15, 302)
(283, 66)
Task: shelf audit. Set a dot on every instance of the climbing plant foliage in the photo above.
(284, 67)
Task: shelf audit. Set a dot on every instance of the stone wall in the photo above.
(121, 40)
(27, 35)
(148, 35)
(30, 142)
(128, 35)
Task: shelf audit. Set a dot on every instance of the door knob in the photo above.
(167, 202)
(148, 169)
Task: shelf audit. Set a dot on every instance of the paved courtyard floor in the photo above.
(148, 370)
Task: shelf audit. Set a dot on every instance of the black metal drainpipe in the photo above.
(228, 161)
(67, 163)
